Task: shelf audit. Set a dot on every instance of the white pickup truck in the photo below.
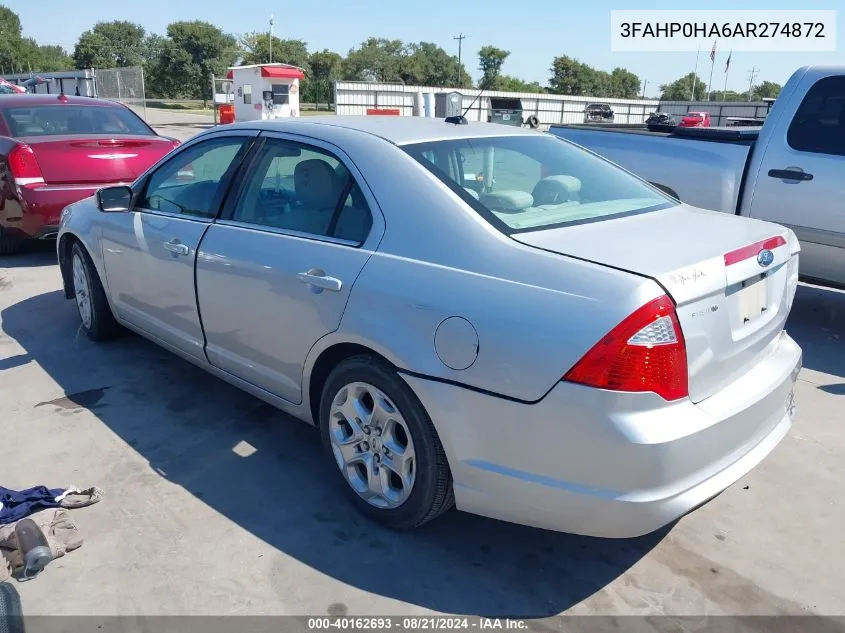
(790, 171)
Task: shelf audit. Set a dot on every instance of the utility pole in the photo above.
(460, 39)
(752, 75)
(645, 83)
(271, 38)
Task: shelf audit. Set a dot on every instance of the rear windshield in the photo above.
(45, 120)
(525, 183)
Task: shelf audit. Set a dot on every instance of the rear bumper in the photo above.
(600, 463)
(36, 213)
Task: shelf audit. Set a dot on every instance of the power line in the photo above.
(461, 37)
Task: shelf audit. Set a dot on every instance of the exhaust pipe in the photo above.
(49, 236)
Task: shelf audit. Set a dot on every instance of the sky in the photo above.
(534, 32)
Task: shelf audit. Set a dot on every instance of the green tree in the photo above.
(490, 61)
(325, 68)
(11, 43)
(571, 77)
(427, 64)
(182, 64)
(624, 84)
(110, 45)
(376, 59)
(515, 84)
(257, 50)
(681, 89)
(766, 90)
(49, 58)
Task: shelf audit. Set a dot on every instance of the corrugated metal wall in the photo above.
(354, 98)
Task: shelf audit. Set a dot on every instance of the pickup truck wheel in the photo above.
(9, 244)
(383, 445)
(94, 310)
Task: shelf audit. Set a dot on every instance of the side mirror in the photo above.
(114, 199)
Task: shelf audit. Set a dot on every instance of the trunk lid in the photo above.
(77, 160)
(729, 305)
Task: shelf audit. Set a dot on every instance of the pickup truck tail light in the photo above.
(645, 352)
(24, 166)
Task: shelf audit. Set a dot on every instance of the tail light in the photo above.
(645, 352)
(24, 167)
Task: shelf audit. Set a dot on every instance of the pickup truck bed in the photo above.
(703, 167)
(729, 134)
(789, 170)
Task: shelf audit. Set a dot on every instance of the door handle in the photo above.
(175, 246)
(318, 279)
(790, 174)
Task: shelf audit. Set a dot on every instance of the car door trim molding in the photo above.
(289, 233)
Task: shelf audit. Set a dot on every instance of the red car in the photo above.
(695, 119)
(56, 150)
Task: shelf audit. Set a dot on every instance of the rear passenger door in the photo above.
(275, 272)
(801, 182)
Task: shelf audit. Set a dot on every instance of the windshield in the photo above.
(64, 119)
(524, 183)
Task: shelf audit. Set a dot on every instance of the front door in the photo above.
(150, 252)
(275, 272)
(801, 182)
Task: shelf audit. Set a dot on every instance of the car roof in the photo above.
(25, 100)
(400, 130)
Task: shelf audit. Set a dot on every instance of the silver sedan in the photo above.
(473, 315)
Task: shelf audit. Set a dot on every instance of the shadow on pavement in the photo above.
(817, 322)
(186, 424)
(33, 254)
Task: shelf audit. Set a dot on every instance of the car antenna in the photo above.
(462, 119)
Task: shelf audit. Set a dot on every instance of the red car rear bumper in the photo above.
(34, 212)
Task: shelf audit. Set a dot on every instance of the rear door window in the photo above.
(819, 123)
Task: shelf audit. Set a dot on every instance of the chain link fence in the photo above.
(125, 85)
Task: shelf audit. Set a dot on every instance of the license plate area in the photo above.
(750, 301)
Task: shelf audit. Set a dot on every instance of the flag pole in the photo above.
(712, 66)
(694, 76)
(727, 68)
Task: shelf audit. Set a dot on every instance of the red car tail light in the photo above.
(24, 166)
(645, 352)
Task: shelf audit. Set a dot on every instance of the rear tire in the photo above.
(389, 445)
(9, 244)
(94, 310)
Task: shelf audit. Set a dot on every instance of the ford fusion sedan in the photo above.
(473, 315)
(55, 150)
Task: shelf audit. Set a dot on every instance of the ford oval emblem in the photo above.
(765, 257)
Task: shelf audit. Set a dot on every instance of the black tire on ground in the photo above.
(433, 493)
(11, 613)
(9, 245)
(103, 324)
(533, 121)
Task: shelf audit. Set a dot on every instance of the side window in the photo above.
(189, 183)
(819, 123)
(247, 92)
(305, 189)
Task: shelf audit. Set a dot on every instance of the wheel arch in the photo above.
(325, 360)
(66, 242)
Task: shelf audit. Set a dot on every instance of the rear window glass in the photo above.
(819, 124)
(63, 119)
(525, 183)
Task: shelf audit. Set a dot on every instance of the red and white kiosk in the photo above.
(265, 91)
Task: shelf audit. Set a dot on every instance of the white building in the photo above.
(265, 91)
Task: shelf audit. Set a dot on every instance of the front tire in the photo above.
(383, 445)
(94, 310)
